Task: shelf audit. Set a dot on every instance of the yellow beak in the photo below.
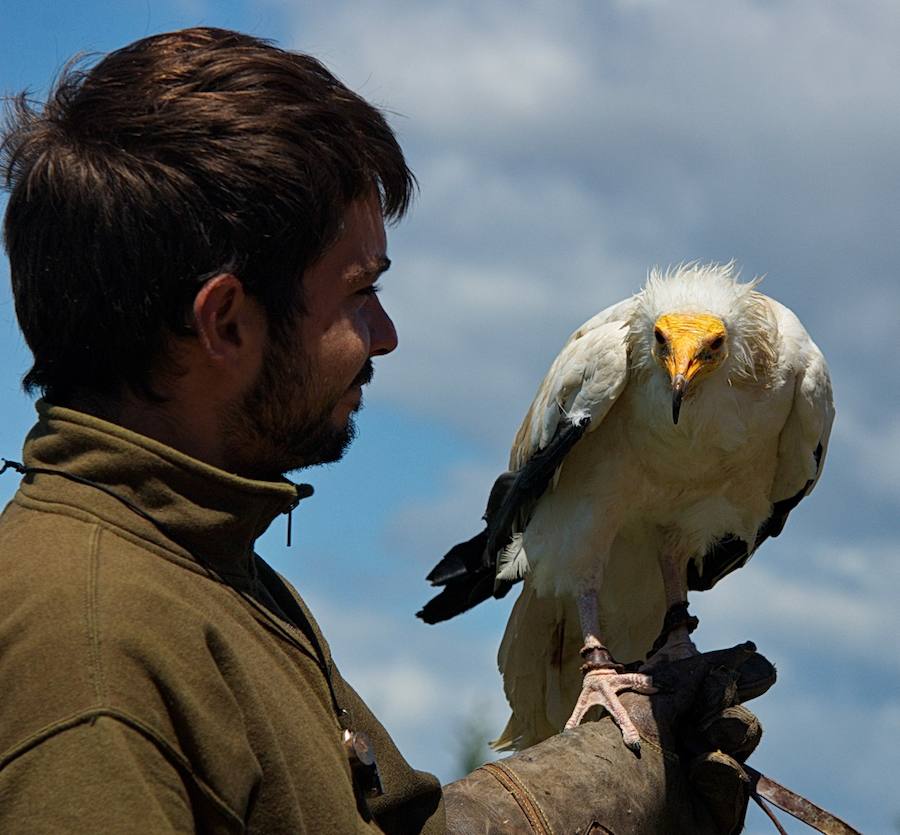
(682, 365)
(687, 334)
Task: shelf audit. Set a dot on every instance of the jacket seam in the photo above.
(89, 717)
(91, 615)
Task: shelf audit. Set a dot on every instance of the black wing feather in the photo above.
(468, 570)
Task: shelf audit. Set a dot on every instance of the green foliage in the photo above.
(473, 734)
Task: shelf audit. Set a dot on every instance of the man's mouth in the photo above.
(365, 375)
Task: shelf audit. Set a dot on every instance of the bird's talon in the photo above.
(601, 688)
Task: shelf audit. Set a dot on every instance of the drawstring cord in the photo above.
(23, 470)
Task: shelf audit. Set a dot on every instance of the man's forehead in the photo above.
(359, 253)
(362, 237)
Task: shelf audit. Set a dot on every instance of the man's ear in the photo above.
(228, 322)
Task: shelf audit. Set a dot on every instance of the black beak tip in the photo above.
(678, 387)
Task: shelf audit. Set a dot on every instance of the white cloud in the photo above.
(875, 451)
(449, 64)
(432, 526)
(401, 691)
(425, 685)
(810, 601)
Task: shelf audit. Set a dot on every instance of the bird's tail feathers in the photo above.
(468, 571)
(468, 577)
(510, 738)
(459, 596)
(539, 661)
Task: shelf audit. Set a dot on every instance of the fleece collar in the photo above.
(213, 515)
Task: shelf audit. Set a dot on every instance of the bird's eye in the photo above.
(658, 335)
(717, 343)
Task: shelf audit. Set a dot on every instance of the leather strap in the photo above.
(794, 804)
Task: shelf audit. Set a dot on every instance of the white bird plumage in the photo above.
(637, 483)
(748, 445)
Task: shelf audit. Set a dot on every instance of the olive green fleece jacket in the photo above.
(149, 680)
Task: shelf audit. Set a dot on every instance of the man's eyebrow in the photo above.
(370, 270)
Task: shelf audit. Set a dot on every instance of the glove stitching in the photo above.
(527, 803)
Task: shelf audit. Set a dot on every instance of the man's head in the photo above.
(298, 409)
(173, 162)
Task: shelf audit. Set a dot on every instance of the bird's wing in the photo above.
(803, 443)
(802, 446)
(583, 382)
(579, 389)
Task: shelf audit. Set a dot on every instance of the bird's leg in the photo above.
(603, 677)
(674, 641)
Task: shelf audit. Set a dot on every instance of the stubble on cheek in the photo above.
(288, 419)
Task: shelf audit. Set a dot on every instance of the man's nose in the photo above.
(382, 333)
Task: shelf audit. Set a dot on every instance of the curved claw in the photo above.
(601, 687)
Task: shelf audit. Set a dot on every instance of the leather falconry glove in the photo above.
(695, 735)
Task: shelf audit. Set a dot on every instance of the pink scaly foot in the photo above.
(603, 681)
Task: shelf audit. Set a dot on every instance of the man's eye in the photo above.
(370, 290)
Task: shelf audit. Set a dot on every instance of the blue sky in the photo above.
(563, 150)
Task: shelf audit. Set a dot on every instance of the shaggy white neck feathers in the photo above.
(713, 289)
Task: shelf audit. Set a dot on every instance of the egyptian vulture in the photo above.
(672, 435)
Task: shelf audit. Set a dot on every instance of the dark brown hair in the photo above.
(178, 157)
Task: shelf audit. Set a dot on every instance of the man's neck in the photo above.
(197, 435)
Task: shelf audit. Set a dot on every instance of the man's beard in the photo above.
(285, 420)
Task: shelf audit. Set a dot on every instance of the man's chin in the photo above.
(271, 442)
(326, 445)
